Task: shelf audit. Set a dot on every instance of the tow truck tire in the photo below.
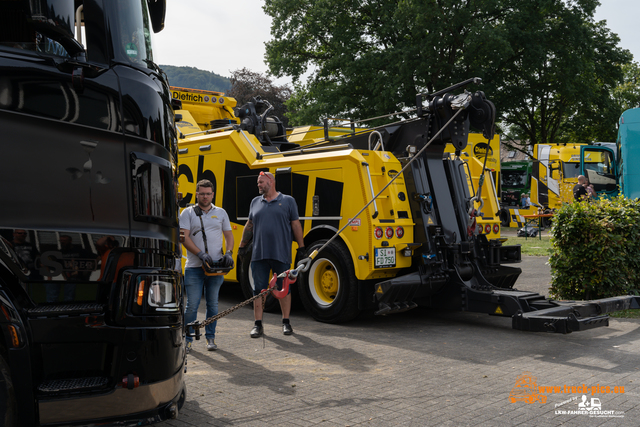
(329, 289)
(246, 283)
(8, 406)
(547, 222)
(504, 217)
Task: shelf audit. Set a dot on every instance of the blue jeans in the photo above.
(260, 273)
(194, 282)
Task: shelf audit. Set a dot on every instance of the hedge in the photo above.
(596, 249)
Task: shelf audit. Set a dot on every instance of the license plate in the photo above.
(384, 257)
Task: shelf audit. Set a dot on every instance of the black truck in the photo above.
(91, 308)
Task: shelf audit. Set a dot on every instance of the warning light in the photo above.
(389, 232)
(378, 233)
(15, 339)
(399, 232)
(140, 293)
(496, 228)
(130, 381)
(487, 228)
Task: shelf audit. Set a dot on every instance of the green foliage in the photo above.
(546, 64)
(627, 94)
(194, 78)
(596, 249)
(626, 314)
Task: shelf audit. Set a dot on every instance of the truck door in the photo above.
(598, 165)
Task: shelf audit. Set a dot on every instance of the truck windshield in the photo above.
(132, 39)
(570, 169)
(514, 178)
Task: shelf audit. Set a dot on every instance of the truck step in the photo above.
(65, 310)
(73, 384)
(394, 307)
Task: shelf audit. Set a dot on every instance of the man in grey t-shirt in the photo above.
(273, 221)
(198, 221)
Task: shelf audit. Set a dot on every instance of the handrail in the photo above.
(375, 206)
(312, 149)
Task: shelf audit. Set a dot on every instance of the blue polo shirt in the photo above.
(272, 234)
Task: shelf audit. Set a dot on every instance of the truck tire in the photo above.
(505, 218)
(8, 406)
(329, 289)
(547, 222)
(246, 283)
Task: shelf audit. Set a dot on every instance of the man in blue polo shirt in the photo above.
(273, 224)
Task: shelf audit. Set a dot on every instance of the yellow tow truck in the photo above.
(388, 219)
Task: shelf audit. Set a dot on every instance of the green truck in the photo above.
(516, 179)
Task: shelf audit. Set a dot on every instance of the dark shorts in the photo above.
(260, 272)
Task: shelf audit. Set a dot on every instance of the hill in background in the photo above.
(194, 78)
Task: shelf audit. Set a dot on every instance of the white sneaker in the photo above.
(211, 344)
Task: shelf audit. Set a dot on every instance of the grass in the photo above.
(626, 314)
(532, 245)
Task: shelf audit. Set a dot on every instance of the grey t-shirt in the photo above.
(215, 222)
(272, 234)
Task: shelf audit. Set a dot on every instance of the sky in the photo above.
(223, 36)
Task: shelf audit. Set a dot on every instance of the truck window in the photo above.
(132, 42)
(17, 33)
(516, 179)
(571, 169)
(598, 168)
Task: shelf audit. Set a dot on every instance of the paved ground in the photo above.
(419, 368)
(536, 274)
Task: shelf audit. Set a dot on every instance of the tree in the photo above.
(194, 78)
(246, 84)
(543, 62)
(558, 89)
(627, 94)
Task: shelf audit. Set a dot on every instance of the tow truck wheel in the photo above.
(246, 282)
(329, 289)
(8, 408)
(547, 222)
(504, 217)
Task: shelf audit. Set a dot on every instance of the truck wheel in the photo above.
(505, 219)
(246, 283)
(329, 289)
(8, 407)
(547, 222)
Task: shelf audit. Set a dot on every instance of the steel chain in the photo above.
(200, 325)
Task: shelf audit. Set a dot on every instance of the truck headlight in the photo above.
(155, 294)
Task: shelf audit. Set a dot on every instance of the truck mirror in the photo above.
(555, 168)
(157, 12)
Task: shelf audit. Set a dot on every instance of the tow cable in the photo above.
(462, 101)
